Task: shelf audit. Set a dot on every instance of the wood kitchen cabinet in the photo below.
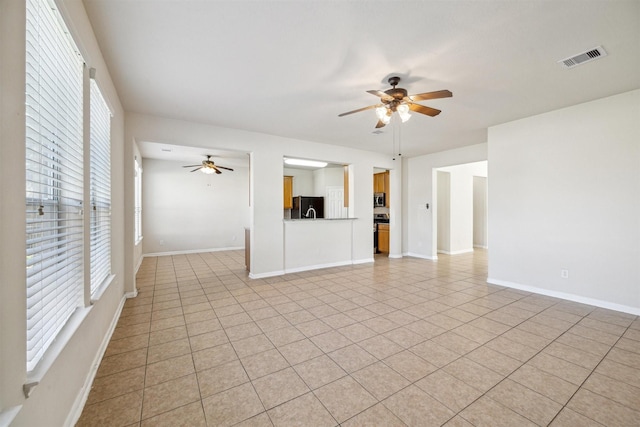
(288, 192)
(381, 185)
(378, 182)
(383, 238)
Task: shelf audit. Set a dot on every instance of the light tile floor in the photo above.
(399, 342)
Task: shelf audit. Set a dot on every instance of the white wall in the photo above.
(307, 182)
(58, 398)
(459, 215)
(565, 194)
(443, 211)
(267, 152)
(419, 183)
(327, 177)
(183, 211)
(317, 244)
(303, 184)
(133, 258)
(480, 218)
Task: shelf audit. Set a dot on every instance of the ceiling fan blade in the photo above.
(370, 107)
(381, 94)
(196, 169)
(380, 124)
(191, 166)
(215, 168)
(431, 95)
(422, 109)
(222, 167)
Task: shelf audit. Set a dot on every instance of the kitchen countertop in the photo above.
(317, 219)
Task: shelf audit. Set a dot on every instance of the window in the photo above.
(54, 177)
(100, 184)
(138, 202)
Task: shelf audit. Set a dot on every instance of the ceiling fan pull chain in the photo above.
(393, 135)
(400, 141)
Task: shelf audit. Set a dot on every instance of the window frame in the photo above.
(54, 176)
(137, 206)
(99, 191)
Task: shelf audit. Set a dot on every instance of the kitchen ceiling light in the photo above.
(208, 170)
(303, 162)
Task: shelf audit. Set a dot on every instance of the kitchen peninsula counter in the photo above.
(317, 243)
(317, 219)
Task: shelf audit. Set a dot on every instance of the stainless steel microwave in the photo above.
(378, 200)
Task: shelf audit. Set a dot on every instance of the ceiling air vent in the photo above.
(584, 57)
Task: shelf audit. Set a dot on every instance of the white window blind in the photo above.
(100, 184)
(54, 177)
(138, 201)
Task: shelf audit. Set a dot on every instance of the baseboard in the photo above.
(135, 271)
(317, 266)
(308, 268)
(421, 256)
(8, 415)
(81, 399)
(194, 251)
(566, 296)
(395, 256)
(464, 251)
(481, 246)
(264, 275)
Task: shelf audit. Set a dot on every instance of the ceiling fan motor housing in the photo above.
(396, 97)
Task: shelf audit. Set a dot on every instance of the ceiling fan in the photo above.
(208, 167)
(397, 100)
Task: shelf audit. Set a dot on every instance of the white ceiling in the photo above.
(289, 68)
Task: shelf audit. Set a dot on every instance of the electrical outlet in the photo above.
(564, 274)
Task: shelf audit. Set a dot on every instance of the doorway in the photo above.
(460, 223)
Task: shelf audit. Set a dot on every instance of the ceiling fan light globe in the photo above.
(404, 116)
(381, 112)
(207, 170)
(386, 119)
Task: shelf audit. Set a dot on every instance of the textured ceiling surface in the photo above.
(288, 68)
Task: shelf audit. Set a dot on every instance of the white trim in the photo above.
(133, 294)
(268, 274)
(570, 297)
(83, 395)
(8, 415)
(415, 255)
(102, 288)
(34, 377)
(139, 264)
(463, 251)
(317, 266)
(481, 246)
(194, 251)
(395, 256)
(307, 268)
